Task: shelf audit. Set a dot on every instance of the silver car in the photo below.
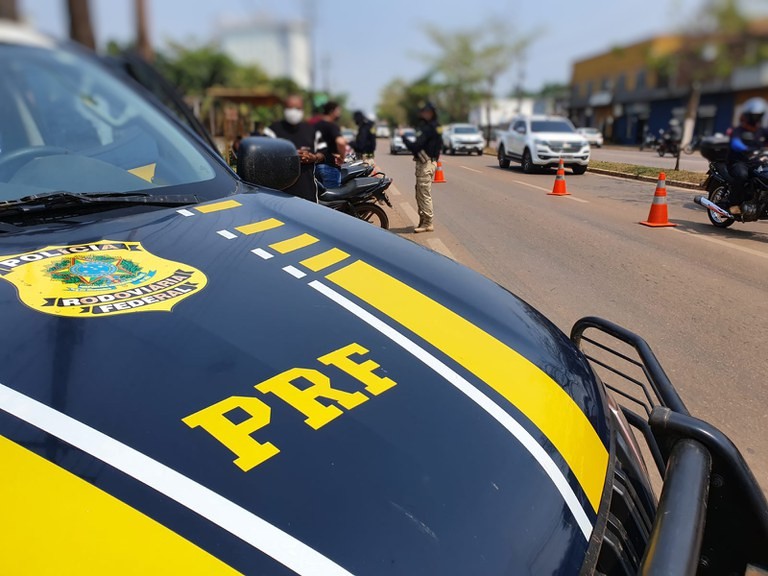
(463, 138)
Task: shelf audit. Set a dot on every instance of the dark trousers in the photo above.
(739, 172)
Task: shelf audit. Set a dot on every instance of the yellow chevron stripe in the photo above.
(260, 226)
(513, 376)
(217, 206)
(56, 523)
(324, 259)
(295, 243)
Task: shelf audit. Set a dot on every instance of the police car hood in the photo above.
(266, 385)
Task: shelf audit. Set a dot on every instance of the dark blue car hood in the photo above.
(275, 387)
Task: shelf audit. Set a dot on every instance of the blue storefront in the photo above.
(715, 114)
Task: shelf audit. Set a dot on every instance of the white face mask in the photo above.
(293, 115)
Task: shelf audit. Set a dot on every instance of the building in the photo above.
(638, 88)
(281, 49)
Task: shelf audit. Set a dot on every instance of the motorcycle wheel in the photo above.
(716, 195)
(372, 214)
(688, 149)
(661, 151)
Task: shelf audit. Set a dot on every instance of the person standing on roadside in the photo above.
(365, 140)
(293, 128)
(331, 144)
(426, 151)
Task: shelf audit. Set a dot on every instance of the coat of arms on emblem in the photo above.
(99, 279)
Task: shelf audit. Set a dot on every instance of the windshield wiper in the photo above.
(47, 205)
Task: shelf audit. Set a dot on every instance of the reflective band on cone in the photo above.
(658, 215)
(559, 188)
(439, 174)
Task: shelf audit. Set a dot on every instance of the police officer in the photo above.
(426, 151)
(747, 140)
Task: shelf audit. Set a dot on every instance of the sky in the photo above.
(368, 43)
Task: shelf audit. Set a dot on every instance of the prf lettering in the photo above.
(307, 390)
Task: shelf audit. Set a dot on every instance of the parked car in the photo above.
(540, 142)
(593, 136)
(463, 138)
(396, 145)
(201, 374)
(382, 131)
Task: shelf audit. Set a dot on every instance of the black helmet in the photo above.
(753, 110)
(358, 117)
(428, 106)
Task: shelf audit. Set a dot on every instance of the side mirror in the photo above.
(269, 162)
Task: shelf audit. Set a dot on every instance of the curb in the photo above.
(675, 183)
(627, 176)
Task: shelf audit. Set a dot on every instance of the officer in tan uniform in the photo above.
(426, 151)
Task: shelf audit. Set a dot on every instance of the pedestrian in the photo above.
(332, 144)
(365, 139)
(426, 152)
(293, 128)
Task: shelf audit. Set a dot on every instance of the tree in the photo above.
(468, 63)
(143, 45)
(390, 107)
(80, 28)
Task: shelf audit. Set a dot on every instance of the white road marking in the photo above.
(236, 520)
(531, 185)
(226, 234)
(571, 197)
(262, 253)
(439, 246)
(483, 401)
(410, 213)
(470, 169)
(185, 212)
(719, 242)
(295, 272)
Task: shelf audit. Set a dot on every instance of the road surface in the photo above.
(697, 294)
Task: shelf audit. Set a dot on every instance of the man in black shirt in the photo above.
(293, 127)
(331, 144)
(426, 151)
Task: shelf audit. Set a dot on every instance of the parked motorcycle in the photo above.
(667, 144)
(755, 204)
(649, 141)
(693, 145)
(360, 197)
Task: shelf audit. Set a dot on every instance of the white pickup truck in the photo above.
(540, 141)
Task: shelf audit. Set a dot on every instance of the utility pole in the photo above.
(80, 29)
(9, 10)
(143, 45)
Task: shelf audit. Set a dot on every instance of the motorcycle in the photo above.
(667, 144)
(649, 141)
(693, 145)
(359, 197)
(755, 205)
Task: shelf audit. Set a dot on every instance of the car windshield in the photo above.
(68, 125)
(551, 126)
(465, 130)
(589, 130)
(409, 133)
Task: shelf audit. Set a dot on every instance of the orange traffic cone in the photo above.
(439, 174)
(658, 215)
(559, 188)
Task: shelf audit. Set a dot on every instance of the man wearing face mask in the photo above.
(293, 128)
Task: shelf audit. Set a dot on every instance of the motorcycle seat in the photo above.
(351, 189)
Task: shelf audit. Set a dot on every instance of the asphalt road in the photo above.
(694, 162)
(697, 294)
